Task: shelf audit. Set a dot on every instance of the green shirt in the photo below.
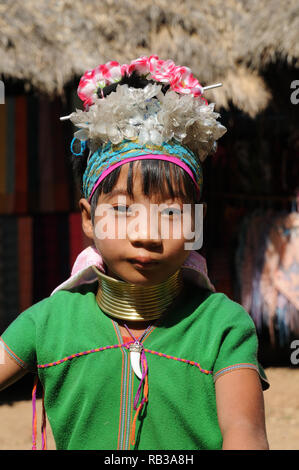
(89, 398)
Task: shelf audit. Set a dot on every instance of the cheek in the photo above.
(105, 236)
(112, 251)
(109, 225)
(175, 250)
(179, 230)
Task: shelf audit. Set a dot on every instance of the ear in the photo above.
(86, 218)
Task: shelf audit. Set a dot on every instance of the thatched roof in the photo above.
(270, 31)
(49, 43)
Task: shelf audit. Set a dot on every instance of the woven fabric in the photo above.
(267, 272)
(110, 155)
(89, 396)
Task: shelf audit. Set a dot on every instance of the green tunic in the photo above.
(89, 398)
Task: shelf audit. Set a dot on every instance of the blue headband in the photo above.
(110, 156)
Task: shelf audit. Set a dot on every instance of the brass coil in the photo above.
(134, 302)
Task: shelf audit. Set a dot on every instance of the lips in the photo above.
(143, 262)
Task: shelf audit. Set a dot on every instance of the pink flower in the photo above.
(141, 66)
(185, 83)
(101, 76)
(179, 78)
(124, 69)
(164, 71)
(113, 72)
(86, 89)
(152, 60)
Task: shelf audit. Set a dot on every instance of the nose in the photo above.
(144, 230)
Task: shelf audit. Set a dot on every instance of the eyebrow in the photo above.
(115, 192)
(124, 192)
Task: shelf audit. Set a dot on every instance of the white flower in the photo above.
(151, 117)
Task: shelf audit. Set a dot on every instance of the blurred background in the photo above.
(251, 184)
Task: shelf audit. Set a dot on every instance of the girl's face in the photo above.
(139, 243)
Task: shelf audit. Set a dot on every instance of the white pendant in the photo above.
(135, 351)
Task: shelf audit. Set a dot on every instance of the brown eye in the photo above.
(121, 209)
(171, 211)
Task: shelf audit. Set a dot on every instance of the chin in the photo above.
(139, 277)
(142, 279)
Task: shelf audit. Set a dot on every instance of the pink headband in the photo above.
(168, 158)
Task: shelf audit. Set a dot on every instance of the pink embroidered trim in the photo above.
(84, 353)
(186, 361)
(124, 345)
(34, 418)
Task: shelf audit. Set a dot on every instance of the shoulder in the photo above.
(218, 308)
(227, 310)
(217, 317)
(44, 328)
(76, 294)
(212, 314)
(51, 308)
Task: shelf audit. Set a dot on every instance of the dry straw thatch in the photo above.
(272, 31)
(48, 43)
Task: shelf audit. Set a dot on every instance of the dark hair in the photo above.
(154, 172)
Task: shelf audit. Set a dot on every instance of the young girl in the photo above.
(136, 350)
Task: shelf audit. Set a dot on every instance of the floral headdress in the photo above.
(150, 115)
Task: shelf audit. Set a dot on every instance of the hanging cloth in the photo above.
(280, 277)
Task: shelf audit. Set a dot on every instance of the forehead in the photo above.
(132, 183)
(124, 185)
(124, 174)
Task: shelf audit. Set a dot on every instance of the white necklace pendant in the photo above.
(135, 352)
